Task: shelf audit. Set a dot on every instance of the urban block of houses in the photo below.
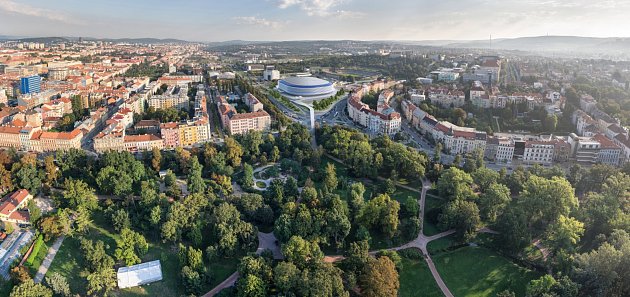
(501, 148)
(446, 98)
(255, 120)
(383, 120)
(174, 97)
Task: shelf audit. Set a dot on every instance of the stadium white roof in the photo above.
(140, 274)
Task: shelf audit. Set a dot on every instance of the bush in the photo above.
(411, 253)
(38, 245)
(433, 215)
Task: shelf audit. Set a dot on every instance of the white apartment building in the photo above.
(540, 152)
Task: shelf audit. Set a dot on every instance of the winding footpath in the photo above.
(266, 241)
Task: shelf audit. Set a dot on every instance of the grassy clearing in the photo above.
(432, 202)
(416, 279)
(69, 262)
(440, 245)
(477, 271)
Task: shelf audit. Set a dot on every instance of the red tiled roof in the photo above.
(140, 138)
(20, 216)
(61, 135)
(9, 203)
(249, 115)
(171, 125)
(10, 130)
(604, 142)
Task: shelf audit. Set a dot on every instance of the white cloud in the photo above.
(28, 10)
(321, 8)
(252, 20)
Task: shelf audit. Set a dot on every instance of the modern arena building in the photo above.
(306, 87)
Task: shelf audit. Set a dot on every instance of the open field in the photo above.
(416, 279)
(477, 271)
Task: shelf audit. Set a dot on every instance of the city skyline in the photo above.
(272, 20)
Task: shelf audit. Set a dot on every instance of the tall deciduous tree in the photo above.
(156, 159)
(492, 202)
(564, 234)
(455, 184)
(234, 151)
(330, 177)
(381, 212)
(50, 169)
(300, 251)
(77, 193)
(463, 216)
(195, 180)
(30, 289)
(130, 247)
(380, 278)
(547, 199)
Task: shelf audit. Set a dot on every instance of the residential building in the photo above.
(609, 153)
(584, 149)
(174, 97)
(541, 152)
(30, 84)
(383, 120)
(13, 207)
(139, 143)
(257, 119)
(251, 121)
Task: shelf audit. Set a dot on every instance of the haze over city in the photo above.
(198, 20)
(329, 148)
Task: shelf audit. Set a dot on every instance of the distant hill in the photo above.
(139, 40)
(44, 39)
(115, 40)
(571, 44)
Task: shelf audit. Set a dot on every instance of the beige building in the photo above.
(146, 142)
(244, 122)
(12, 207)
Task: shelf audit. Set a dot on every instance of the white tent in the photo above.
(140, 274)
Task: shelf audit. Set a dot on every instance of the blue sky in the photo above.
(218, 20)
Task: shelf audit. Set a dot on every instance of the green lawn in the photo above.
(477, 271)
(416, 279)
(431, 202)
(36, 258)
(261, 184)
(401, 194)
(440, 245)
(69, 263)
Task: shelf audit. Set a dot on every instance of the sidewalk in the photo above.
(52, 252)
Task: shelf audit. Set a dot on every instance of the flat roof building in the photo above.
(140, 274)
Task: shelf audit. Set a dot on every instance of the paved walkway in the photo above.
(52, 252)
(268, 181)
(228, 282)
(265, 241)
(420, 242)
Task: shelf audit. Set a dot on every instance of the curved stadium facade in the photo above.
(308, 87)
